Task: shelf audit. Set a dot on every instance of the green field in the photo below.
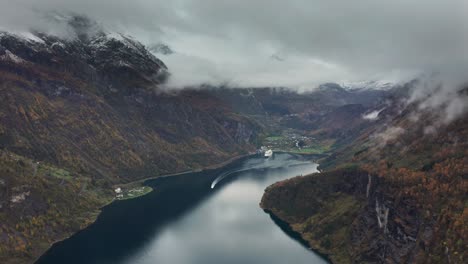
(135, 192)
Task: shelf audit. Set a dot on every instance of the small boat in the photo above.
(268, 153)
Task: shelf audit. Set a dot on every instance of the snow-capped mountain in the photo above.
(367, 85)
(111, 55)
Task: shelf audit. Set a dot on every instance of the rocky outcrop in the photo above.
(339, 217)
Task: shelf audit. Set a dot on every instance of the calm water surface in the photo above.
(208, 217)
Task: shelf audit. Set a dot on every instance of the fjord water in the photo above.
(188, 219)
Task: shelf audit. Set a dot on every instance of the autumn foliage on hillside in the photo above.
(432, 175)
(40, 204)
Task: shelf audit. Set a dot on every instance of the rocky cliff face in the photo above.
(341, 218)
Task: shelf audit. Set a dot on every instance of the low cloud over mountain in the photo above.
(233, 41)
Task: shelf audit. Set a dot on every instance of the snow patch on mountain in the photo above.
(368, 85)
(31, 37)
(8, 56)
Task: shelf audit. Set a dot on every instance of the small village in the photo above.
(291, 141)
(122, 194)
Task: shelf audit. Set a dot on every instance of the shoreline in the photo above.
(289, 230)
(315, 155)
(141, 182)
(98, 211)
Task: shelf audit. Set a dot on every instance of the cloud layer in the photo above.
(442, 92)
(297, 43)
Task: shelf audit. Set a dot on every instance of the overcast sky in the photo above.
(314, 41)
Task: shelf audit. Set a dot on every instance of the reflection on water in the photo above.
(186, 221)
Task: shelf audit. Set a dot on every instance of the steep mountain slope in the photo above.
(121, 117)
(398, 195)
(78, 116)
